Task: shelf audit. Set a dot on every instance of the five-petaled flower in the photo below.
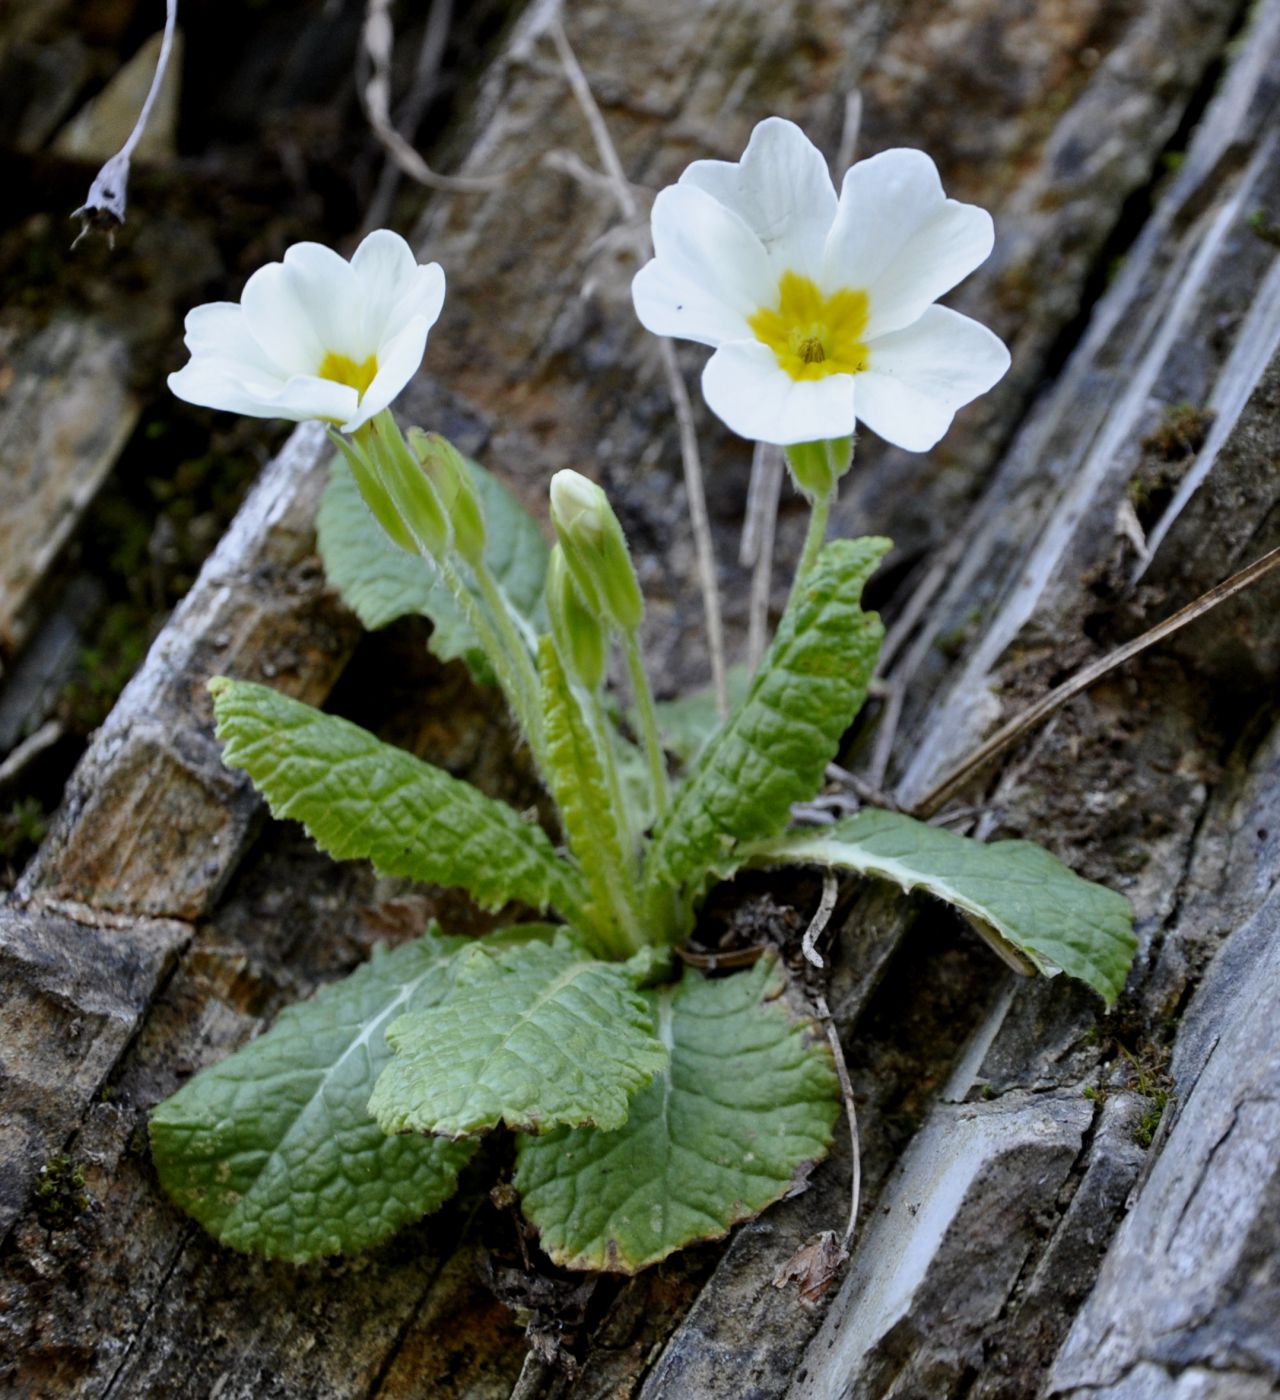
(315, 336)
(820, 310)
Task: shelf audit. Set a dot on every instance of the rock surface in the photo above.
(1032, 1223)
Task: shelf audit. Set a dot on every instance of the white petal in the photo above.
(709, 273)
(916, 378)
(325, 287)
(217, 384)
(397, 364)
(899, 238)
(745, 387)
(392, 288)
(218, 330)
(781, 189)
(280, 323)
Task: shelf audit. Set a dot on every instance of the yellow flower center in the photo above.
(812, 335)
(341, 369)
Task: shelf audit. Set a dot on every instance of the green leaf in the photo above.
(380, 582)
(776, 745)
(274, 1150)
(588, 812)
(685, 725)
(746, 1107)
(532, 1037)
(361, 798)
(1014, 892)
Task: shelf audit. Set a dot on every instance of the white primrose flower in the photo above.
(820, 310)
(315, 336)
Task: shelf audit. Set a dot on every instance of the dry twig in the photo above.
(375, 95)
(104, 207)
(1036, 714)
(820, 920)
(699, 519)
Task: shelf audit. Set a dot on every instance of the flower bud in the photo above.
(595, 550)
(407, 485)
(373, 493)
(581, 638)
(817, 466)
(456, 490)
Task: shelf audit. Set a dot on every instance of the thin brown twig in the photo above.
(375, 96)
(694, 488)
(426, 71)
(851, 1114)
(820, 920)
(1033, 715)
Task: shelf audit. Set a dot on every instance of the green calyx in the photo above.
(455, 489)
(582, 639)
(816, 467)
(398, 486)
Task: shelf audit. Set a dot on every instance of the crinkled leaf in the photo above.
(588, 813)
(746, 1107)
(1015, 889)
(776, 745)
(361, 798)
(531, 1037)
(274, 1149)
(686, 724)
(380, 582)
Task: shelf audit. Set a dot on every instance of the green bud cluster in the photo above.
(421, 491)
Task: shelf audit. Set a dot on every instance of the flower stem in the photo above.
(648, 717)
(818, 518)
(515, 642)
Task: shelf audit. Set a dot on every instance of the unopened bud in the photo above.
(581, 638)
(408, 486)
(595, 549)
(456, 490)
(818, 466)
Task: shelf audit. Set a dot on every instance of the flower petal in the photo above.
(781, 189)
(219, 330)
(749, 391)
(325, 287)
(280, 323)
(393, 290)
(219, 384)
(398, 362)
(709, 273)
(916, 378)
(899, 238)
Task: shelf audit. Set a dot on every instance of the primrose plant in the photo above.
(653, 1105)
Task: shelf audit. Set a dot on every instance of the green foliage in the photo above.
(776, 745)
(275, 1150)
(747, 1105)
(381, 582)
(361, 798)
(1014, 892)
(688, 723)
(531, 1036)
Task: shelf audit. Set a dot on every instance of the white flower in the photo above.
(821, 309)
(315, 336)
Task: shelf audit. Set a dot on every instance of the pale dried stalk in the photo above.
(1036, 714)
(375, 95)
(699, 519)
(851, 1114)
(104, 207)
(435, 35)
(820, 920)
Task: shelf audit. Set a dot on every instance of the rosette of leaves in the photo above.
(651, 1109)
